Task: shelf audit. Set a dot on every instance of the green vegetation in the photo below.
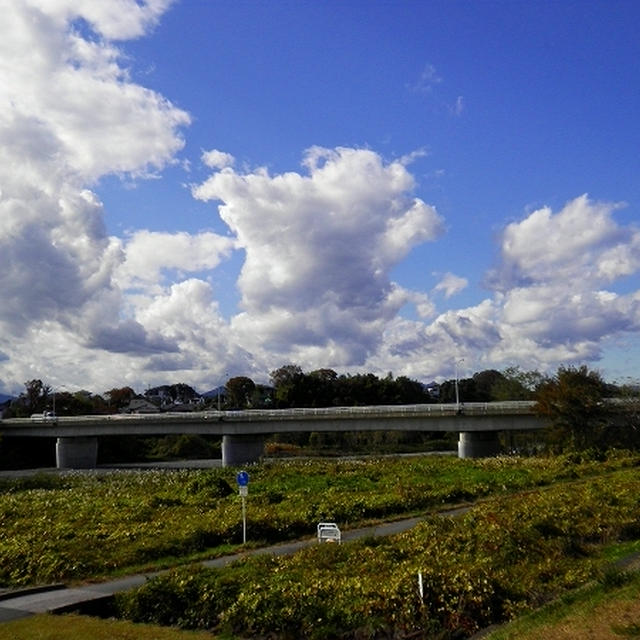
(502, 558)
(75, 526)
(325, 388)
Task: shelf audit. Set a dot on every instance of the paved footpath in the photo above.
(58, 599)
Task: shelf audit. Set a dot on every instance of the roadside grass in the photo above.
(169, 562)
(600, 611)
(75, 627)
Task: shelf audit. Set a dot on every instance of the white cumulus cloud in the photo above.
(450, 284)
(552, 298)
(151, 253)
(319, 249)
(69, 114)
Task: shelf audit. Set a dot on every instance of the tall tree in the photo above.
(36, 395)
(285, 375)
(572, 402)
(484, 381)
(239, 391)
(321, 387)
(119, 398)
(287, 382)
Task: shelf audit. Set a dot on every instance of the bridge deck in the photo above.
(420, 417)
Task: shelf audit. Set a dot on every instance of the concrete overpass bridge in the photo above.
(243, 432)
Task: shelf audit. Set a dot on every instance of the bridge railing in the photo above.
(417, 410)
(284, 415)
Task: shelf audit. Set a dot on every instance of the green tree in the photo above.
(572, 402)
(484, 382)
(408, 391)
(119, 398)
(239, 392)
(262, 397)
(34, 399)
(320, 387)
(36, 395)
(625, 415)
(73, 404)
(287, 381)
(466, 390)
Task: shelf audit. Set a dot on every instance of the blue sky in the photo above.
(218, 188)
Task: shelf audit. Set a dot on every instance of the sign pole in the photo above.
(244, 520)
(243, 487)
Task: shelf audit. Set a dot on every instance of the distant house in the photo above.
(432, 389)
(140, 405)
(168, 397)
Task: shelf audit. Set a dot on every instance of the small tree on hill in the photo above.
(516, 384)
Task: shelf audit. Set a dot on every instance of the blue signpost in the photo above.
(242, 478)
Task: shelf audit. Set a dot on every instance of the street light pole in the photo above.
(457, 362)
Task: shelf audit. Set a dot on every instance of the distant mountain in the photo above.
(213, 393)
(4, 397)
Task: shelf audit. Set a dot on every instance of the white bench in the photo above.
(329, 532)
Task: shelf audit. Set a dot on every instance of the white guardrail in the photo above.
(273, 415)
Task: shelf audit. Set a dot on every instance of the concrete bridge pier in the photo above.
(241, 449)
(478, 444)
(77, 452)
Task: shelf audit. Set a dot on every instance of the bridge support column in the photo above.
(478, 444)
(238, 450)
(76, 452)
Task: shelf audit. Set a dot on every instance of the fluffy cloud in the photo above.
(555, 271)
(550, 305)
(188, 316)
(217, 159)
(115, 20)
(319, 244)
(73, 90)
(68, 115)
(450, 284)
(319, 249)
(150, 254)
(582, 243)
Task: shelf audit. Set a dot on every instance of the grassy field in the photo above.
(594, 613)
(504, 558)
(597, 612)
(72, 627)
(80, 526)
